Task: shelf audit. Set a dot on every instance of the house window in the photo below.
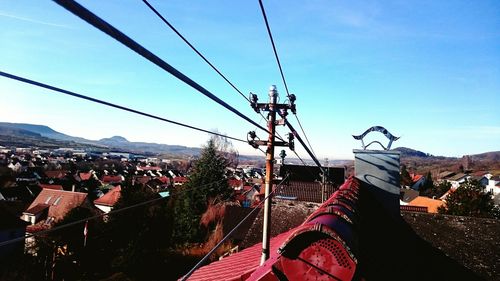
(49, 220)
(48, 199)
(57, 200)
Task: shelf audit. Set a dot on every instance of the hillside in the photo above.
(10, 136)
(421, 162)
(42, 130)
(14, 134)
(408, 152)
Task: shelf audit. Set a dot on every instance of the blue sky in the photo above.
(429, 71)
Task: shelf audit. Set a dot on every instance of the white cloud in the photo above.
(34, 20)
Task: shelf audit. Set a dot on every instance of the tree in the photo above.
(207, 185)
(436, 191)
(469, 199)
(406, 179)
(428, 184)
(141, 233)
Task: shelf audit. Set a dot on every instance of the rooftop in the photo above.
(60, 202)
(110, 198)
(431, 204)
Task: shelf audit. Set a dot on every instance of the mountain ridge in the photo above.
(113, 143)
(34, 131)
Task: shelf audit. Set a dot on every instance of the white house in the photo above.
(458, 179)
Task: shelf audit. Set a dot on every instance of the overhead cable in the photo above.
(274, 46)
(193, 48)
(280, 68)
(155, 11)
(110, 30)
(305, 135)
(305, 165)
(66, 92)
(294, 132)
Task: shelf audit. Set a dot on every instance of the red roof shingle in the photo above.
(110, 198)
(55, 174)
(85, 176)
(237, 266)
(112, 179)
(37, 209)
(60, 202)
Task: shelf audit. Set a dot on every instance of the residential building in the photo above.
(106, 202)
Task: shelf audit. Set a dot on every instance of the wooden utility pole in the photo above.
(271, 126)
(324, 177)
(271, 143)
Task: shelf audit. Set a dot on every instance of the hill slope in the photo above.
(39, 135)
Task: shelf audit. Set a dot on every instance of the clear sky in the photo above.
(429, 71)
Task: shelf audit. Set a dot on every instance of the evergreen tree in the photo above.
(428, 185)
(405, 177)
(207, 185)
(469, 199)
(143, 229)
(437, 190)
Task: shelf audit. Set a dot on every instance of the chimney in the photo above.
(73, 188)
(380, 170)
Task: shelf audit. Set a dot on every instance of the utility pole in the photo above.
(271, 126)
(272, 108)
(324, 176)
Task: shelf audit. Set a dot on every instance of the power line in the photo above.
(301, 160)
(193, 48)
(279, 66)
(113, 212)
(185, 277)
(66, 92)
(154, 10)
(305, 165)
(110, 30)
(274, 46)
(294, 132)
(302, 129)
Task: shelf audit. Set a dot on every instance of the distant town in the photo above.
(50, 188)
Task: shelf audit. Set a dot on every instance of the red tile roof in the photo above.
(110, 198)
(237, 266)
(37, 209)
(164, 179)
(52, 186)
(55, 174)
(60, 202)
(85, 176)
(234, 182)
(112, 179)
(331, 214)
(431, 204)
(180, 179)
(415, 177)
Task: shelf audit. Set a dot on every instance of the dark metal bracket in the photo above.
(380, 129)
